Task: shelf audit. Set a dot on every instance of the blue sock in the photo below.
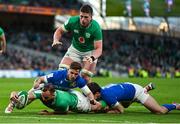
(170, 106)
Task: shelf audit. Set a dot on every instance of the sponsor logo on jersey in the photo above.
(88, 35)
(81, 39)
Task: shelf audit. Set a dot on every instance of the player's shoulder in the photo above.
(58, 73)
(95, 23)
(79, 78)
(63, 71)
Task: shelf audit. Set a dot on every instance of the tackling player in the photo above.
(66, 79)
(2, 41)
(86, 45)
(114, 94)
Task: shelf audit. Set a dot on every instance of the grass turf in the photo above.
(166, 92)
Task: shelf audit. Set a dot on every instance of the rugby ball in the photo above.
(23, 99)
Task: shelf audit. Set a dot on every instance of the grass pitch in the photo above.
(167, 91)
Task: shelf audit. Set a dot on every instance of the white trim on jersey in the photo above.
(86, 90)
(116, 104)
(64, 29)
(45, 79)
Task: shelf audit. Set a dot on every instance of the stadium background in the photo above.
(138, 48)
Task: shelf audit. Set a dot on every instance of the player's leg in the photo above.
(147, 88)
(65, 63)
(154, 107)
(150, 103)
(72, 55)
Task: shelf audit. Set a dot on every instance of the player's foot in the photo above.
(9, 108)
(149, 87)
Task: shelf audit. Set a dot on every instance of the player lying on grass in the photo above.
(66, 79)
(115, 94)
(60, 101)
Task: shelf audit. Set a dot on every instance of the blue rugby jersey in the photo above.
(114, 93)
(59, 80)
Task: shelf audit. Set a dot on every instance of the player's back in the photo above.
(122, 92)
(64, 101)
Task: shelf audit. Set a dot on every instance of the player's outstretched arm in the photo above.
(57, 36)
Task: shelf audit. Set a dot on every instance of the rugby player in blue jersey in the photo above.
(115, 94)
(66, 80)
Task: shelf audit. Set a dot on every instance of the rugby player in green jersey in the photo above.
(60, 101)
(2, 41)
(86, 45)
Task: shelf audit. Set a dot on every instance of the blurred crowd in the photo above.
(136, 54)
(141, 54)
(18, 60)
(68, 4)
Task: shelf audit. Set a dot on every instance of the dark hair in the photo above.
(94, 87)
(86, 9)
(49, 87)
(75, 66)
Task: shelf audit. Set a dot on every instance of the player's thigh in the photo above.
(72, 55)
(140, 94)
(66, 61)
(153, 106)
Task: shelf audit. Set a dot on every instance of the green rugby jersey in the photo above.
(1, 31)
(63, 101)
(83, 37)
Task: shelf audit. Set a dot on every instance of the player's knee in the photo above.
(86, 72)
(63, 66)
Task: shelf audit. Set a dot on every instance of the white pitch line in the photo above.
(54, 118)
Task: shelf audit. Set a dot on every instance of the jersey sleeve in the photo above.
(67, 25)
(81, 82)
(37, 94)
